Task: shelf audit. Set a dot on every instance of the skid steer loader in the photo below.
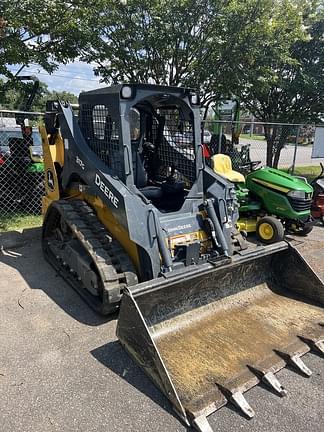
(135, 220)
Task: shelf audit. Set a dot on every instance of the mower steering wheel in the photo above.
(251, 165)
(322, 170)
(320, 176)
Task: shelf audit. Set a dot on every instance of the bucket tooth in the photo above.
(272, 381)
(319, 346)
(239, 400)
(299, 364)
(201, 424)
(315, 345)
(295, 361)
(236, 398)
(269, 379)
(195, 334)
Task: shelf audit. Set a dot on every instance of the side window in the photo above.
(99, 119)
(177, 149)
(101, 132)
(104, 128)
(134, 124)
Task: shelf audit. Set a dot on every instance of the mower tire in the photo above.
(269, 230)
(304, 231)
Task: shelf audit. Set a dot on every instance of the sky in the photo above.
(73, 77)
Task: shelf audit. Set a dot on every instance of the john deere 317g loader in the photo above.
(134, 219)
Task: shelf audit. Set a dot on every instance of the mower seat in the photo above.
(222, 165)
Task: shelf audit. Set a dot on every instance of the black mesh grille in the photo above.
(300, 205)
(102, 135)
(176, 150)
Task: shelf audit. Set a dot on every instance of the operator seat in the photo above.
(150, 192)
(222, 165)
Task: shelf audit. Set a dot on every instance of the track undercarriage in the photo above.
(83, 252)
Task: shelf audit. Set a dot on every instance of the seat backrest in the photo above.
(140, 174)
(222, 163)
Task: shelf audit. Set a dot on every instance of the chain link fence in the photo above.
(22, 171)
(21, 165)
(273, 144)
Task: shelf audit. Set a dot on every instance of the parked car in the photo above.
(7, 134)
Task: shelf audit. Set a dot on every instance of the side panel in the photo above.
(81, 165)
(275, 202)
(113, 226)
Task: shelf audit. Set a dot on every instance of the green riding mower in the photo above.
(271, 201)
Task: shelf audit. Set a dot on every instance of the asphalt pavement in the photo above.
(62, 368)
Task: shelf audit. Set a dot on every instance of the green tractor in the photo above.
(271, 201)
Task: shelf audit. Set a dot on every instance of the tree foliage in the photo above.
(43, 31)
(285, 80)
(290, 73)
(269, 53)
(199, 43)
(14, 93)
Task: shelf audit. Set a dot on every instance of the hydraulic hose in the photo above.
(219, 232)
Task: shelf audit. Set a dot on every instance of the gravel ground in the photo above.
(62, 369)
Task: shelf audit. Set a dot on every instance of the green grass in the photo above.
(17, 222)
(254, 137)
(309, 171)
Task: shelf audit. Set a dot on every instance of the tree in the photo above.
(266, 52)
(14, 93)
(198, 43)
(269, 53)
(43, 32)
(285, 81)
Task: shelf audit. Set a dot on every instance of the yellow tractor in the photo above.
(135, 220)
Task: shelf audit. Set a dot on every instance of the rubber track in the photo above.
(114, 267)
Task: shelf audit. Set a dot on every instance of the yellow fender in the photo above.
(52, 154)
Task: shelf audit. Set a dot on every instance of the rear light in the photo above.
(2, 161)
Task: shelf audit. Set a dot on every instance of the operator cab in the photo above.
(163, 152)
(147, 139)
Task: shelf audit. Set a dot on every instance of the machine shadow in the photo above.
(113, 356)
(27, 258)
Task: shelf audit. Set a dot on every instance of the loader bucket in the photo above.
(207, 336)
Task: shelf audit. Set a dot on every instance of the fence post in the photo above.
(220, 138)
(295, 151)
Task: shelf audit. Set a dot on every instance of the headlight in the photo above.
(297, 194)
(126, 92)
